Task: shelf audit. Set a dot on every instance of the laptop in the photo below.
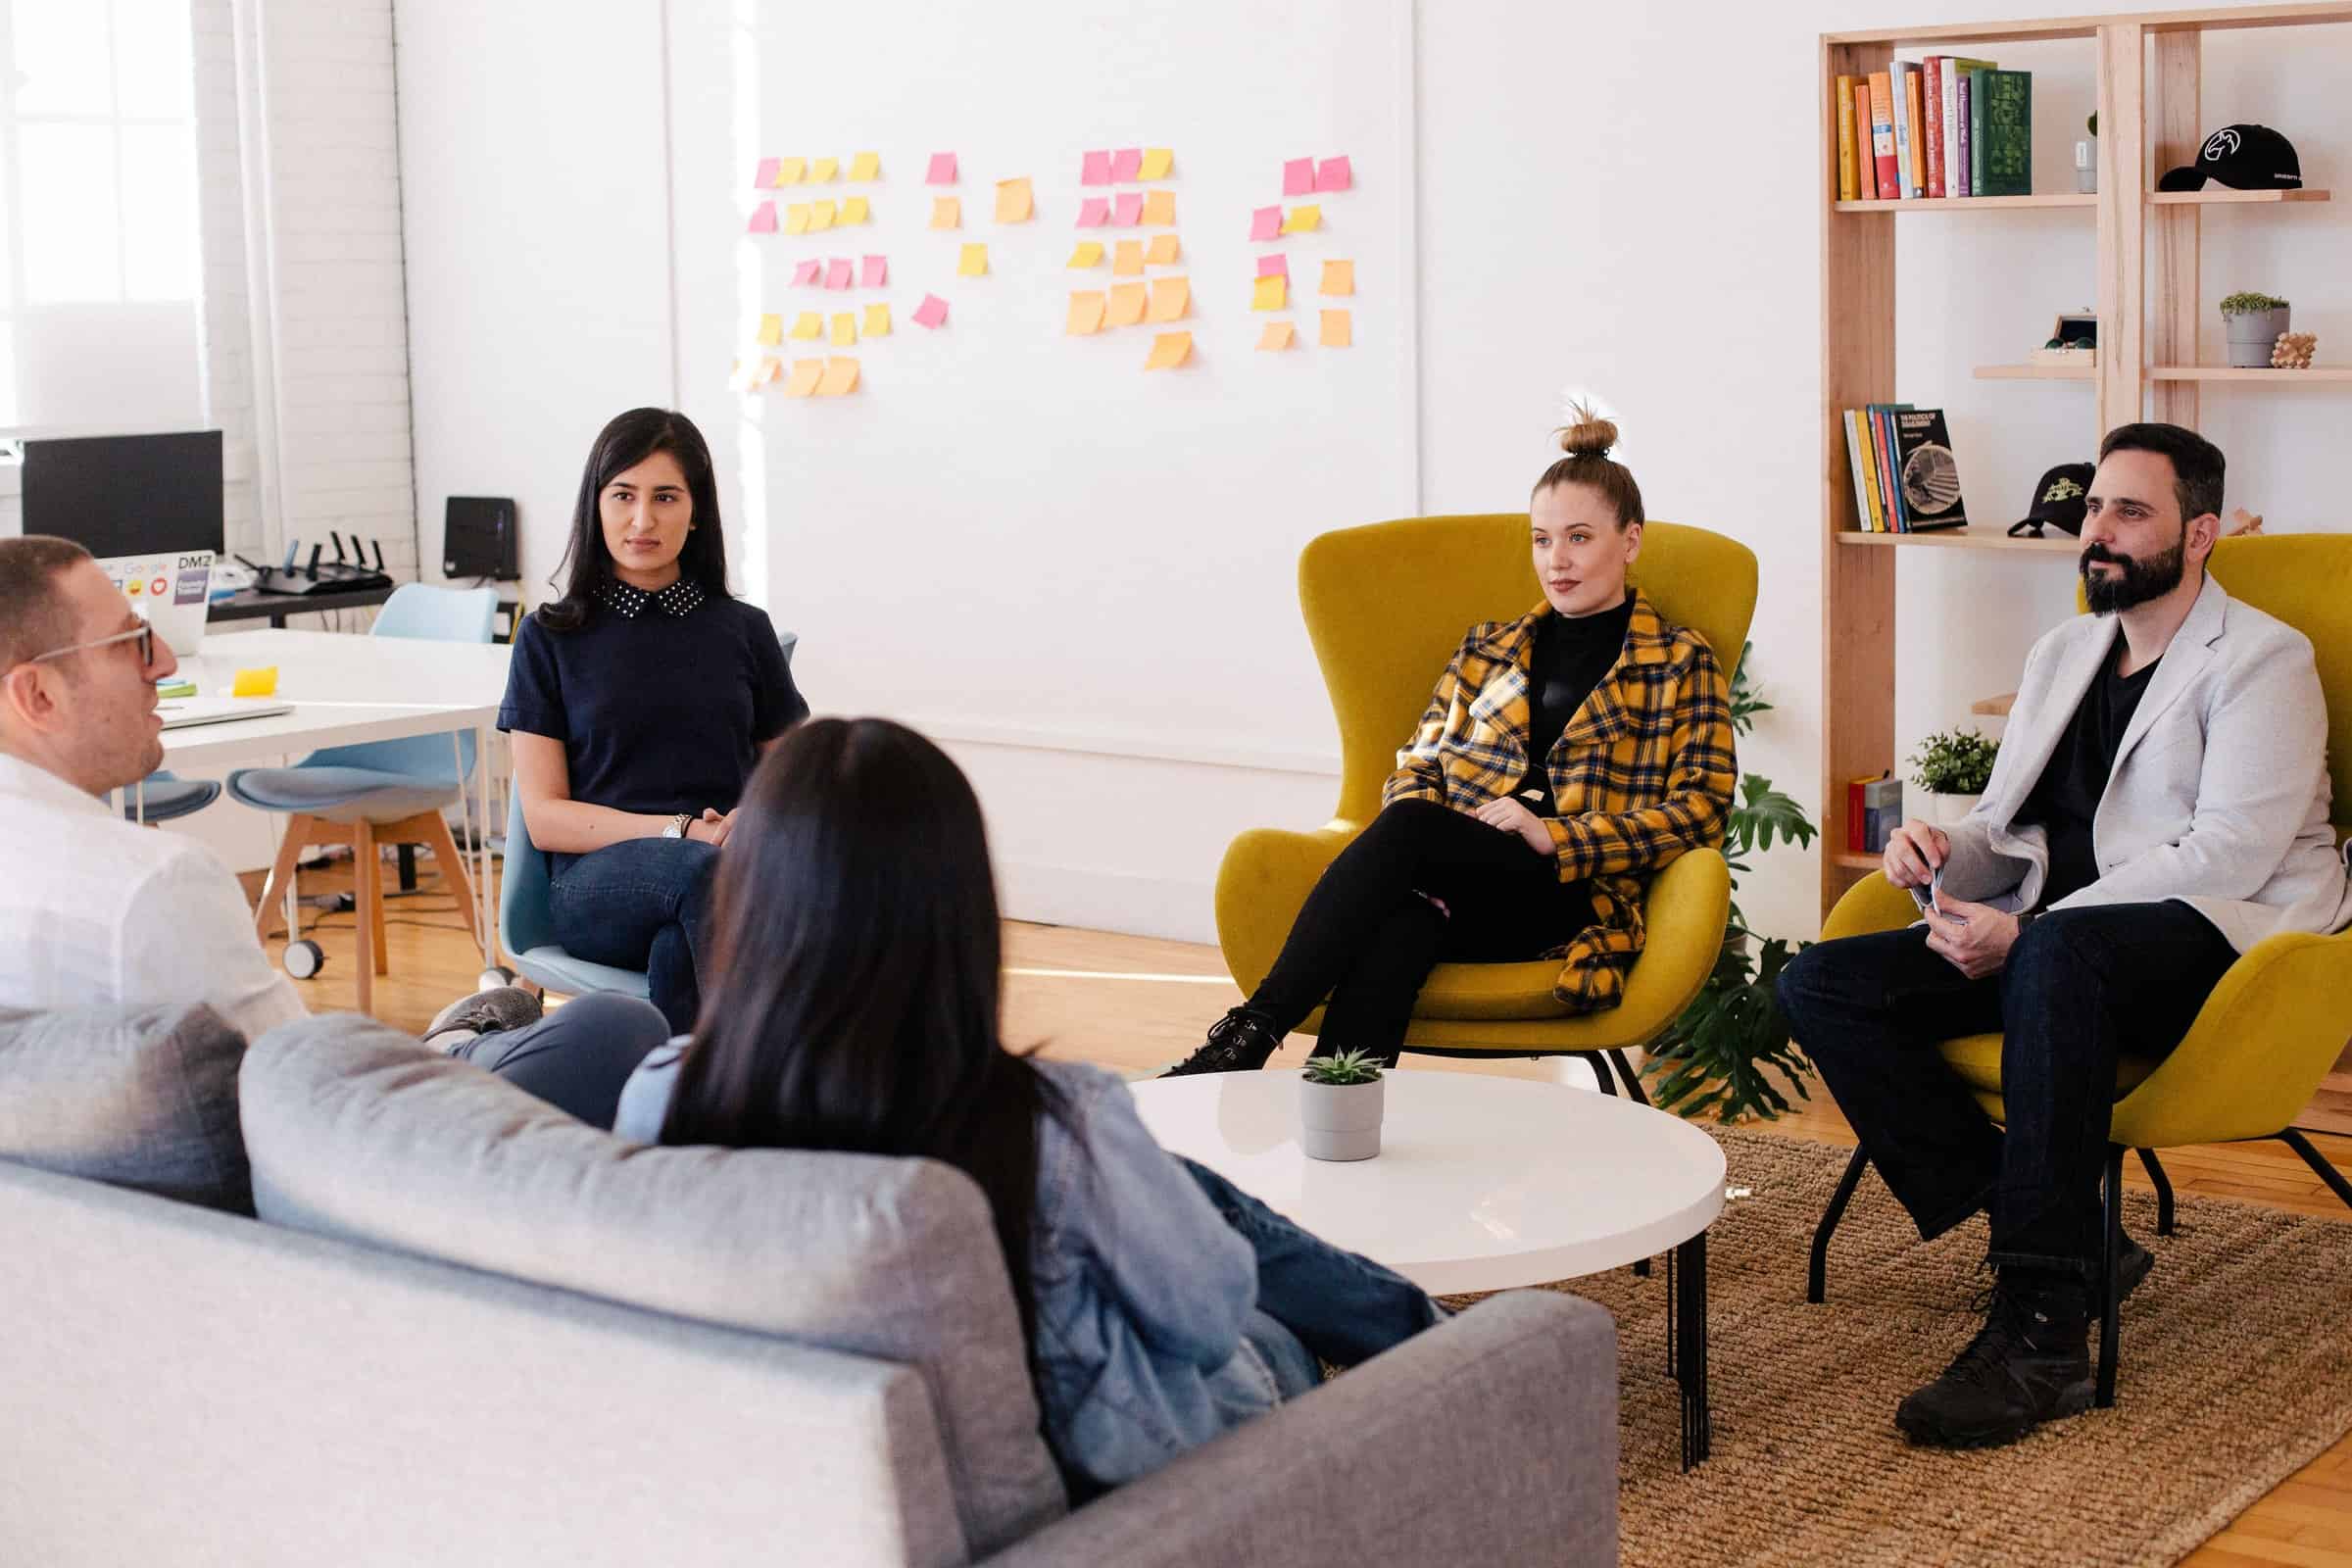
(184, 712)
(171, 589)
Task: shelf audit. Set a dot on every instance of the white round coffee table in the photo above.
(1482, 1184)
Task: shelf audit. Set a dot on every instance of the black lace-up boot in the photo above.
(2029, 1365)
(1238, 1042)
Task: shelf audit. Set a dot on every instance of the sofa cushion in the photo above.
(359, 1132)
(143, 1096)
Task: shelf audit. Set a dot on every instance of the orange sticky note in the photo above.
(845, 330)
(1270, 293)
(1087, 254)
(790, 169)
(867, 166)
(1163, 251)
(1159, 208)
(854, 209)
(1157, 161)
(1338, 277)
(811, 324)
(804, 376)
(974, 263)
(840, 378)
(821, 215)
(877, 320)
(1277, 336)
(770, 368)
(1127, 302)
(1337, 332)
(1128, 260)
(1087, 307)
(259, 682)
(796, 219)
(946, 212)
(1302, 220)
(1169, 350)
(824, 169)
(1013, 202)
(771, 329)
(1169, 296)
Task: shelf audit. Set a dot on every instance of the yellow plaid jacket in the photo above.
(1643, 771)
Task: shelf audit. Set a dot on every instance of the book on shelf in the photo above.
(1955, 164)
(1857, 456)
(1890, 495)
(1866, 163)
(1927, 475)
(1845, 140)
(1931, 72)
(1910, 157)
(1874, 809)
(1962, 142)
(2004, 132)
(1882, 133)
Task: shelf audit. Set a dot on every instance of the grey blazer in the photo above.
(2218, 796)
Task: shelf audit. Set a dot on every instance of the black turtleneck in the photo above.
(1571, 655)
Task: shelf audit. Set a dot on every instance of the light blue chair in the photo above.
(382, 791)
(165, 797)
(526, 930)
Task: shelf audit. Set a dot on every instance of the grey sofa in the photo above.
(466, 1329)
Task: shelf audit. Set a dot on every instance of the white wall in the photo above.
(1619, 198)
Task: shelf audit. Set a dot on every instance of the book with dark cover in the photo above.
(1926, 475)
(1882, 812)
(2006, 138)
(1965, 170)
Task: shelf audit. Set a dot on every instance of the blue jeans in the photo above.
(577, 1057)
(1315, 1302)
(2079, 988)
(640, 905)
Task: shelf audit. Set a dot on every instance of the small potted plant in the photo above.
(1340, 1098)
(1953, 769)
(2253, 323)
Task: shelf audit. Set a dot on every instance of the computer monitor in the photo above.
(128, 495)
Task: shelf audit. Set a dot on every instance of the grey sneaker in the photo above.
(483, 1012)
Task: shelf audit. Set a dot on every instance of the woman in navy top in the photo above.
(638, 704)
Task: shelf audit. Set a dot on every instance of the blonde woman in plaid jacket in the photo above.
(1565, 758)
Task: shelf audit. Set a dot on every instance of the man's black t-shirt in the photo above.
(2066, 798)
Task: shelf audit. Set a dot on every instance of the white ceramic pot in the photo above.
(1340, 1121)
(1946, 811)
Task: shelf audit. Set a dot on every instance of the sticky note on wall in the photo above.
(1126, 164)
(1087, 254)
(1302, 220)
(946, 212)
(824, 169)
(1338, 277)
(1163, 251)
(1337, 330)
(932, 312)
(764, 177)
(875, 273)
(1127, 302)
(1093, 211)
(1087, 309)
(796, 219)
(1334, 174)
(1265, 222)
(1157, 161)
(877, 320)
(763, 219)
(837, 273)
(808, 273)
(790, 169)
(806, 373)
(1127, 208)
(1169, 298)
(867, 166)
(1095, 168)
(941, 170)
(1275, 266)
(845, 330)
(811, 324)
(1128, 260)
(1277, 336)
(973, 262)
(839, 380)
(1014, 204)
(1299, 176)
(1169, 350)
(821, 215)
(771, 330)
(1272, 293)
(854, 209)
(1159, 208)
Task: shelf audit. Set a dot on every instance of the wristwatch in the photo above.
(677, 825)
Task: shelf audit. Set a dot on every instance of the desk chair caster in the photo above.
(303, 959)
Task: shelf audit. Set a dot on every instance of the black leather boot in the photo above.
(1238, 1042)
(2029, 1365)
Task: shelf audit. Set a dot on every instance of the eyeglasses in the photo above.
(143, 631)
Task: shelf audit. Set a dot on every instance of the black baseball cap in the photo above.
(2242, 158)
(2058, 499)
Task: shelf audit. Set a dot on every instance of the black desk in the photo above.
(253, 605)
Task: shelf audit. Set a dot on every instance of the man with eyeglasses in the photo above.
(95, 910)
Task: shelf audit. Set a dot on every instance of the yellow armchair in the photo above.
(2280, 1016)
(1386, 607)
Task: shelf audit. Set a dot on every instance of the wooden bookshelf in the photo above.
(2148, 302)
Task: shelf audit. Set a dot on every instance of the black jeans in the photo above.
(640, 905)
(2080, 987)
(1369, 934)
(577, 1057)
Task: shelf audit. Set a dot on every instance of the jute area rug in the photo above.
(2237, 1371)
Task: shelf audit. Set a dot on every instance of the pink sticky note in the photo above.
(1334, 174)
(1093, 211)
(876, 273)
(1130, 207)
(1273, 267)
(808, 273)
(1094, 170)
(943, 170)
(1299, 176)
(933, 312)
(763, 219)
(837, 273)
(765, 178)
(1126, 164)
(1265, 222)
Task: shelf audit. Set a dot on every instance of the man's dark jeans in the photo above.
(2079, 988)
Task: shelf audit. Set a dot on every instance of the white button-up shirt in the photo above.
(95, 910)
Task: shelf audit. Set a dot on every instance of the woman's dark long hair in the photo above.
(628, 440)
(856, 968)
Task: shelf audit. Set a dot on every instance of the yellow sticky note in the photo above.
(1157, 161)
(1169, 296)
(1127, 304)
(771, 329)
(811, 324)
(974, 263)
(854, 209)
(1087, 254)
(789, 171)
(824, 169)
(1337, 332)
(867, 166)
(1277, 336)
(1013, 202)
(946, 212)
(796, 219)
(804, 376)
(877, 320)
(1087, 307)
(1128, 260)
(1169, 350)
(1338, 277)
(839, 380)
(261, 682)
(1159, 208)
(1163, 251)
(845, 330)
(1270, 294)
(1302, 220)
(821, 215)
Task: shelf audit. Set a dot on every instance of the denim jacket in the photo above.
(1142, 1288)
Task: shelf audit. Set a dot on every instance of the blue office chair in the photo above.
(165, 797)
(526, 930)
(382, 791)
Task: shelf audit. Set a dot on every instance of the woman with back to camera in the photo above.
(638, 704)
(1564, 759)
(1162, 1306)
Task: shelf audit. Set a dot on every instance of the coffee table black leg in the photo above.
(1686, 1299)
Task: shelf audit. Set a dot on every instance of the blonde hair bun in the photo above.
(1587, 434)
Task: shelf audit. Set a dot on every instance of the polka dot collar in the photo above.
(680, 597)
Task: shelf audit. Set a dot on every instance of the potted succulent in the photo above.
(2253, 323)
(1953, 769)
(1340, 1098)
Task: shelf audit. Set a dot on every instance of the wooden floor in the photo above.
(1134, 1003)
